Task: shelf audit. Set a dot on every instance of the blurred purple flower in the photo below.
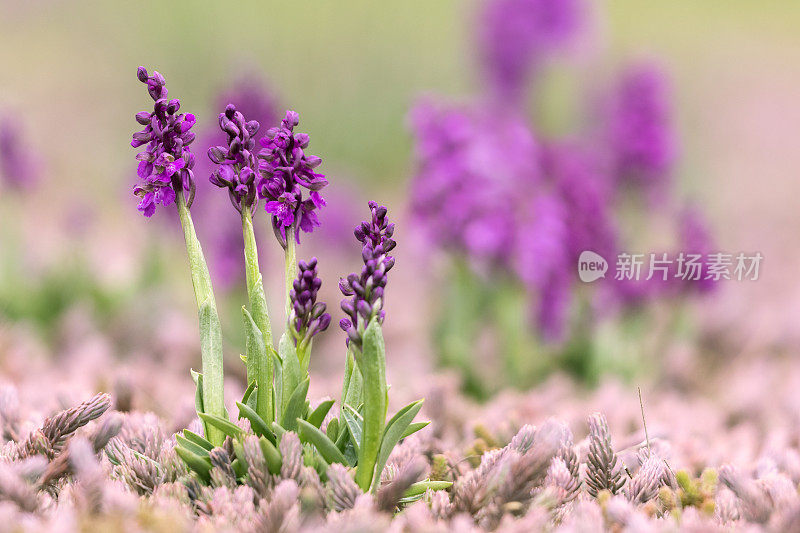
(340, 216)
(18, 165)
(694, 245)
(694, 237)
(570, 213)
(365, 292)
(165, 165)
(515, 36)
(284, 169)
(308, 317)
(252, 98)
(583, 185)
(472, 167)
(542, 262)
(486, 189)
(643, 143)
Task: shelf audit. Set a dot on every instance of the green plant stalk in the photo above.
(260, 371)
(459, 326)
(210, 329)
(291, 267)
(290, 371)
(372, 363)
(517, 350)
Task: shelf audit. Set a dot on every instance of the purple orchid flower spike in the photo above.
(516, 36)
(284, 171)
(237, 163)
(165, 165)
(18, 165)
(307, 316)
(365, 291)
(643, 141)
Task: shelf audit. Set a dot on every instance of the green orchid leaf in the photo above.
(394, 431)
(278, 430)
(239, 468)
(420, 487)
(197, 377)
(259, 370)
(257, 423)
(318, 415)
(211, 351)
(296, 406)
(414, 427)
(325, 446)
(249, 391)
(372, 363)
(402, 502)
(191, 446)
(200, 465)
(350, 451)
(355, 424)
(271, 455)
(332, 431)
(197, 439)
(291, 373)
(344, 437)
(225, 426)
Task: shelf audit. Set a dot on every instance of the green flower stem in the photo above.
(459, 326)
(516, 346)
(291, 267)
(210, 329)
(260, 371)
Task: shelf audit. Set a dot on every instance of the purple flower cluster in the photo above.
(486, 189)
(577, 211)
(640, 133)
(694, 241)
(237, 164)
(472, 164)
(285, 170)
(517, 35)
(365, 291)
(695, 238)
(18, 166)
(308, 317)
(542, 262)
(165, 165)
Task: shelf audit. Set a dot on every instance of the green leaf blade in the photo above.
(318, 415)
(224, 426)
(372, 363)
(257, 423)
(325, 446)
(394, 432)
(295, 407)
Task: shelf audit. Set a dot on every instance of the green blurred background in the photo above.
(352, 69)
